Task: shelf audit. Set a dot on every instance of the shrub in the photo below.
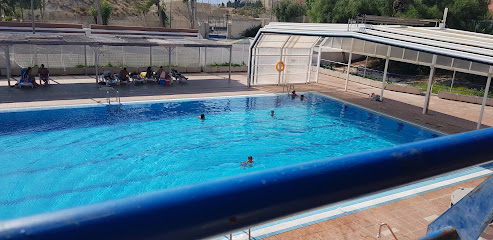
(251, 32)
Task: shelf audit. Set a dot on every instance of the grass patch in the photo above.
(464, 90)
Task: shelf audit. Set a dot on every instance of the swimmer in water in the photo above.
(202, 116)
(247, 163)
(272, 114)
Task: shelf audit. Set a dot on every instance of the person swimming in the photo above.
(202, 116)
(293, 93)
(272, 114)
(302, 97)
(247, 163)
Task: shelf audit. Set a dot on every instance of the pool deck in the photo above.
(408, 217)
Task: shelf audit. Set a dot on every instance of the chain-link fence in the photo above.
(79, 56)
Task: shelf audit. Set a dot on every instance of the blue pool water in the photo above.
(59, 158)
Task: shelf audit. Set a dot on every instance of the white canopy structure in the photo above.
(436, 47)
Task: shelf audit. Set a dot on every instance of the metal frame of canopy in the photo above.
(435, 47)
(95, 42)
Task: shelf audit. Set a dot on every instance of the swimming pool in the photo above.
(64, 157)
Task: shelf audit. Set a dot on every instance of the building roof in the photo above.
(100, 40)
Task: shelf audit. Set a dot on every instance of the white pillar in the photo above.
(385, 72)
(452, 84)
(169, 62)
(319, 58)
(96, 61)
(349, 64)
(430, 84)
(6, 49)
(348, 70)
(486, 90)
(230, 57)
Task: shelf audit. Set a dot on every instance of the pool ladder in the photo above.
(117, 98)
(287, 88)
(380, 230)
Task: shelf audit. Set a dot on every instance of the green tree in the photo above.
(192, 11)
(339, 11)
(161, 11)
(106, 9)
(10, 9)
(142, 7)
(463, 14)
(288, 10)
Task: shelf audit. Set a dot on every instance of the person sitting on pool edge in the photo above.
(375, 97)
(202, 116)
(43, 74)
(247, 163)
(28, 77)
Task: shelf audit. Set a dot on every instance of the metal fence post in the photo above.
(205, 59)
(123, 56)
(176, 56)
(61, 57)
(85, 58)
(150, 56)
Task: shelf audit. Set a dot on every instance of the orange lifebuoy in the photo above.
(280, 66)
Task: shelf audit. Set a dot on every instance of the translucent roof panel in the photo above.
(272, 41)
(301, 42)
(454, 49)
(450, 43)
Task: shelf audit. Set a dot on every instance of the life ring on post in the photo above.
(280, 66)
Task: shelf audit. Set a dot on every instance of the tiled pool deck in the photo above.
(408, 216)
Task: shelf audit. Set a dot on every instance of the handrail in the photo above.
(108, 99)
(380, 230)
(227, 204)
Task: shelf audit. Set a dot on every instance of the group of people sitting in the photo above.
(28, 76)
(124, 75)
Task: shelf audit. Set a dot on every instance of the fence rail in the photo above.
(74, 56)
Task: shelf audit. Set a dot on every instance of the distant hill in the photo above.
(78, 11)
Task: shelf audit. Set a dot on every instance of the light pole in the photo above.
(32, 15)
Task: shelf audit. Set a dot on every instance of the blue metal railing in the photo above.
(227, 204)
